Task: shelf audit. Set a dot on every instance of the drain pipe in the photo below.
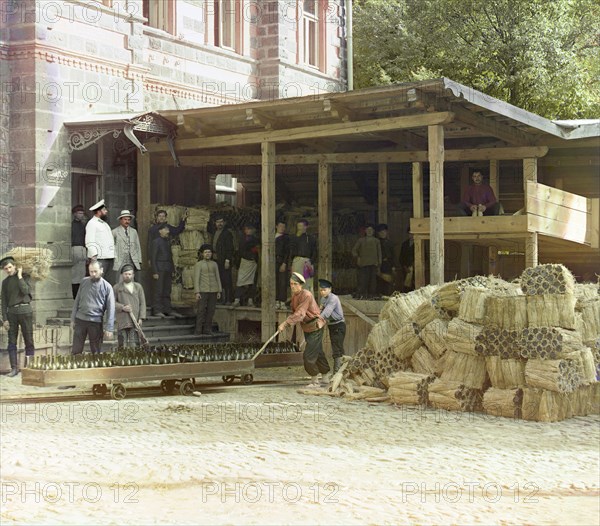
(349, 46)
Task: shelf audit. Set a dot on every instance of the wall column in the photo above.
(325, 218)
(267, 261)
(417, 188)
(436, 203)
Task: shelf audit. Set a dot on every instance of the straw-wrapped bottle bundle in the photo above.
(454, 396)
(175, 252)
(409, 388)
(380, 336)
(405, 341)
(435, 336)
(447, 298)
(584, 400)
(186, 258)
(464, 368)
(505, 373)
(423, 362)
(506, 312)
(401, 307)
(462, 336)
(35, 261)
(192, 239)
(542, 405)
(187, 277)
(504, 343)
(472, 307)
(551, 310)
(198, 218)
(425, 314)
(587, 319)
(176, 290)
(547, 279)
(503, 402)
(549, 343)
(588, 366)
(561, 376)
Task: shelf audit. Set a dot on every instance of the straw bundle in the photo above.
(198, 218)
(547, 279)
(447, 298)
(454, 396)
(424, 314)
(503, 402)
(548, 342)
(405, 342)
(507, 312)
(472, 307)
(187, 277)
(585, 292)
(409, 388)
(174, 213)
(551, 310)
(36, 262)
(380, 336)
(505, 374)
(422, 362)
(434, 334)
(462, 336)
(546, 406)
(499, 342)
(191, 239)
(562, 376)
(464, 368)
(587, 320)
(582, 400)
(588, 366)
(400, 308)
(185, 258)
(176, 290)
(175, 252)
(188, 297)
(361, 392)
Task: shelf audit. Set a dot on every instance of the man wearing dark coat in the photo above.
(224, 251)
(161, 262)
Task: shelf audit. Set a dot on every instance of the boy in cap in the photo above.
(78, 250)
(127, 245)
(99, 239)
(333, 314)
(129, 299)
(16, 311)
(207, 286)
(306, 312)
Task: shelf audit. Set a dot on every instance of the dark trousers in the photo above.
(206, 310)
(245, 293)
(107, 265)
(128, 337)
(74, 289)
(226, 283)
(162, 293)
(25, 322)
(314, 357)
(91, 329)
(367, 280)
(281, 286)
(337, 334)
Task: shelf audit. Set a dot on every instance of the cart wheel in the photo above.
(166, 386)
(99, 389)
(118, 392)
(186, 388)
(228, 379)
(247, 379)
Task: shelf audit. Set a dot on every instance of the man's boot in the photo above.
(14, 364)
(337, 363)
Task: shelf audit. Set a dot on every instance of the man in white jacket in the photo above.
(127, 245)
(99, 240)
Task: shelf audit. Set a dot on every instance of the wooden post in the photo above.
(417, 187)
(494, 178)
(531, 241)
(325, 218)
(436, 203)
(492, 260)
(267, 264)
(143, 212)
(382, 191)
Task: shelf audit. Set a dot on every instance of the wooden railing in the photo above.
(556, 213)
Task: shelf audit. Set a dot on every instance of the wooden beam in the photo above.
(468, 154)
(531, 250)
(308, 132)
(419, 267)
(143, 212)
(492, 260)
(529, 175)
(491, 127)
(436, 204)
(595, 223)
(382, 193)
(267, 268)
(359, 313)
(325, 220)
(494, 177)
(259, 119)
(417, 189)
(512, 226)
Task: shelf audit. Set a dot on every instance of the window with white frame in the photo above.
(310, 36)
(160, 14)
(226, 14)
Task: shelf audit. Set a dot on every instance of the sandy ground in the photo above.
(268, 455)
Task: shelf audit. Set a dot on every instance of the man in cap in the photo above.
(246, 279)
(282, 256)
(303, 253)
(223, 244)
(129, 301)
(387, 269)
(161, 262)
(78, 250)
(160, 221)
(306, 312)
(207, 286)
(333, 314)
(367, 252)
(127, 245)
(99, 239)
(16, 311)
(94, 298)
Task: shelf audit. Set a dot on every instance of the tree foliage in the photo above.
(541, 55)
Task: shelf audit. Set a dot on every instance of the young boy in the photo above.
(333, 314)
(207, 286)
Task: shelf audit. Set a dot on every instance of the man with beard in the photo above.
(129, 299)
(78, 251)
(224, 251)
(94, 298)
(99, 239)
(16, 311)
(127, 245)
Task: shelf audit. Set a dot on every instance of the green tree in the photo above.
(541, 55)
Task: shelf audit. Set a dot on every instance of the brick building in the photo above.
(86, 63)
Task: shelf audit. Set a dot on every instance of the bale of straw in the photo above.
(454, 396)
(176, 290)
(541, 405)
(422, 362)
(462, 336)
(198, 218)
(505, 374)
(187, 277)
(434, 334)
(587, 319)
(582, 400)
(188, 297)
(380, 336)
(588, 366)
(447, 298)
(175, 252)
(191, 239)
(506, 312)
(504, 343)
(409, 388)
(472, 308)
(35, 261)
(405, 341)
(503, 402)
(425, 314)
(561, 376)
(174, 213)
(401, 307)
(464, 368)
(548, 342)
(585, 292)
(547, 279)
(186, 258)
(551, 310)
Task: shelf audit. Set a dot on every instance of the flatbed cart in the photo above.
(174, 378)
